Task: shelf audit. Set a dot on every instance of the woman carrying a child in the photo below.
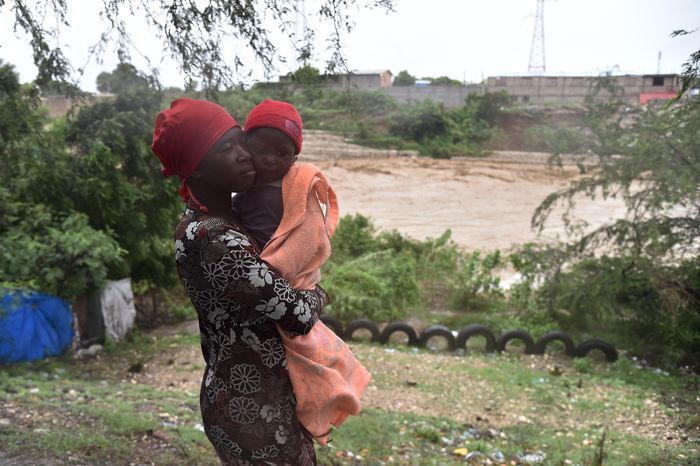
(247, 400)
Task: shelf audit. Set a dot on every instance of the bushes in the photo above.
(442, 132)
(380, 286)
(369, 277)
(651, 308)
(359, 103)
(385, 276)
(57, 254)
(555, 140)
(353, 237)
(475, 285)
(420, 121)
(85, 200)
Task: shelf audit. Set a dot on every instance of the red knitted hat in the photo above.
(281, 116)
(185, 132)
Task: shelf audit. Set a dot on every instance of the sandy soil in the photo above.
(486, 203)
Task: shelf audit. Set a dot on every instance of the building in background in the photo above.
(568, 90)
(356, 80)
(543, 90)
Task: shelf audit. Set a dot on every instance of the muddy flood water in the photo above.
(487, 203)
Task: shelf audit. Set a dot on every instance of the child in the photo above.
(292, 213)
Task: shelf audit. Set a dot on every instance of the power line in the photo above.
(537, 62)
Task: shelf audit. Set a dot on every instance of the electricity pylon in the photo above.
(537, 63)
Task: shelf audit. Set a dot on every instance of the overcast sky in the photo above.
(463, 39)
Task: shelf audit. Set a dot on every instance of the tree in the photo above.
(42, 245)
(90, 181)
(124, 78)
(650, 159)
(121, 188)
(18, 117)
(444, 81)
(690, 77)
(194, 34)
(59, 88)
(420, 121)
(641, 271)
(307, 75)
(310, 81)
(404, 79)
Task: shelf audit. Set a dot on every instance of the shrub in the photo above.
(360, 103)
(475, 282)
(420, 121)
(354, 236)
(444, 133)
(583, 365)
(404, 78)
(379, 285)
(61, 255)
(438, 149)
(385, 275)
(555, 140)
(650, 307)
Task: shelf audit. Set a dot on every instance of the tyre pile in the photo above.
(458, 340)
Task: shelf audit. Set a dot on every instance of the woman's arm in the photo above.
(233, 267)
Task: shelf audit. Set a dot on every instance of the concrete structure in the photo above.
(528, 90)
(563, 90)
(59, 105)
(322, 145)
(449, 96)
(363, 80)
(549, 90)
(356, 80)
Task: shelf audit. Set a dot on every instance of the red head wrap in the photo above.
(278, 115)
(184, 134)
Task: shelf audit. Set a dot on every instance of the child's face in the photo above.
(272, 152)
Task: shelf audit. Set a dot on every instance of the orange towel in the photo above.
(301, 244)
(327, 378)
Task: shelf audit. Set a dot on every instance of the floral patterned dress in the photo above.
(248, 407)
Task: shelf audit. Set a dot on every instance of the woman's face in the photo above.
(228, 165)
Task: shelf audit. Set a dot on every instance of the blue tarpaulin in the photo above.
(33, 326)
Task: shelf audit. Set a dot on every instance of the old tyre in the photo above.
(366, 324)
(521, 335)
(438, 331)
(333, 323)
(399, 327)
(476, 330)
(595, 344)
(555, 335)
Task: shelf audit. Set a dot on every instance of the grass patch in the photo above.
(121, 419)
(395, 438)
(91, 410)
(423, 408)
(60, 441)
(380, 437)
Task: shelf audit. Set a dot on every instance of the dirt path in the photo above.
(487, 204)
